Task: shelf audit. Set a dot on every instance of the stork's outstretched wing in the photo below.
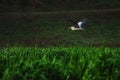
(83, 22)
(73, 22)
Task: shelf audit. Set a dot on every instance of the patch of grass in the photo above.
(51, 29)
(52, 63)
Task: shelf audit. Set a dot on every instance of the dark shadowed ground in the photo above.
(51, 28)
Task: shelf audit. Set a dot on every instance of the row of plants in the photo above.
(53, 63)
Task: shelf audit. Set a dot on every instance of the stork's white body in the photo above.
(74, 28)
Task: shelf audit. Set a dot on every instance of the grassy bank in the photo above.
(72, 63)
(51, 28)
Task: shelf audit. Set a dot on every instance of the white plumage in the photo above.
(79, 25)
(75, 28)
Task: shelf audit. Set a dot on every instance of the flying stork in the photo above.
(78, 25)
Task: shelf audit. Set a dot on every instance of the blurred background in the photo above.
(56, 5)
(44, 22)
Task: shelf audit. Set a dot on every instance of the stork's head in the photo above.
(72, 27)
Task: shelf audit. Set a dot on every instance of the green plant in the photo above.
(52, 63)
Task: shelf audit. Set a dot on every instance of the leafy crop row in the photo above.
(73, 63)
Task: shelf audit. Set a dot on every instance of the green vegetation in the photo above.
(72, 63)
(93, 54)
